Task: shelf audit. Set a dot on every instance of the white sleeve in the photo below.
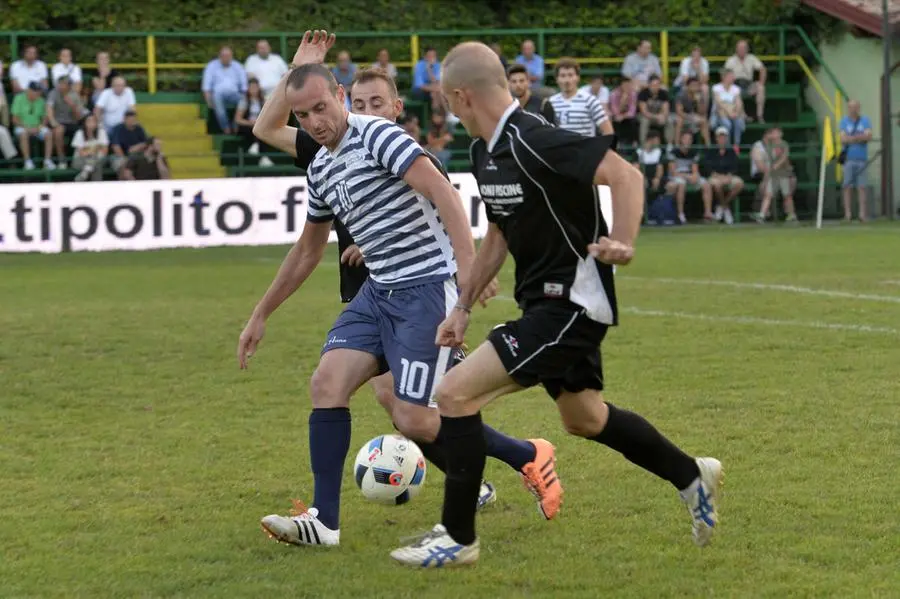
(685, 70)
(102, 100)
(76, 74)
(132, 100)
(102, 136)
(78, 140)
(42, 69)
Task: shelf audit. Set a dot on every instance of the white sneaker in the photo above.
(265, 161)
(29, 165)
(729, 217)
(682, 218)
(702, 500)
(254, 149)
(49, 165)
(437, 549)
(719, 213)
(303, 527)
(486, 496)
(62, 165)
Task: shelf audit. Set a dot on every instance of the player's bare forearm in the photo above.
(424, 177)
(606, 127)
(488, 261)
(296, 267)
(626, 185)
(271, 125)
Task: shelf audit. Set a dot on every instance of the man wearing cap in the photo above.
(29, 119)
(127, 138)
(722, 164)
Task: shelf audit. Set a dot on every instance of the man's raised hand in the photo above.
(313, 47)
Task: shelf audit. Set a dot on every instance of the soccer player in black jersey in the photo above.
(539, 183)
(520, 87)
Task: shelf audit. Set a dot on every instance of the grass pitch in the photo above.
(137, 459)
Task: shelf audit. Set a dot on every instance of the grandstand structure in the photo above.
(197, 148)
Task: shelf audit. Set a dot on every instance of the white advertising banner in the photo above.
(146, 215)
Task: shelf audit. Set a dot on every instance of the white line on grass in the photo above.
(892, 299)
(771, 322)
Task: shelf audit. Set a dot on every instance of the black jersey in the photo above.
(352, 277)
(537, 185)
(541, 106)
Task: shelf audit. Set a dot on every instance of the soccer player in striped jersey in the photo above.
(377, 180)
(577, 110)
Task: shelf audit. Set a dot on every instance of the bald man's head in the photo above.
(473, 66)
(474, 83)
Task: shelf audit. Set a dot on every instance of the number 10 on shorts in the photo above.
(413, 379)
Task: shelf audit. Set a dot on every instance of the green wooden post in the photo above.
(13, 47)
(282, 39)
(781, 52)
(541, 43)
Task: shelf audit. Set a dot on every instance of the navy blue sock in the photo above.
(329, 441)
(514, 452)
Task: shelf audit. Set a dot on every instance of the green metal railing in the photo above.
(152, 65)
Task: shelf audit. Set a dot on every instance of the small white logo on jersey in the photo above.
(553, 289)
(490, 165)
(334, 339)
(511, 344)
(343, 195)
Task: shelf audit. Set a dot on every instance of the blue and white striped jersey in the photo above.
(361, 183)
(582, 113)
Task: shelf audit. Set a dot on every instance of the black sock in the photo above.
(463, 440)
(640, 443)
(434, 452)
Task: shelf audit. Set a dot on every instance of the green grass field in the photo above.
(137, 459)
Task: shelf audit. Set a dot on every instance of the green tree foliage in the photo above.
(374, 16)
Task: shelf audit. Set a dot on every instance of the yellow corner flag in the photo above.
(829, 141)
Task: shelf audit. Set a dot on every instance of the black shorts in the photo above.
(553, 344)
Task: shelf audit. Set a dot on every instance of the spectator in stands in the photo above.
(721, 163)
(653, 109)
(759, 158)
(697, 67)
(265, 66)
(29, 116)
(728, 107)
(224, 83)
(410, 124)
(520, 88)
(91, 145)
(7, 147)
(684, 172)
(597, 89)
(383, 62)
(651, 160)
(29, 70)
(113, 104)
(439, 137)
(641, 64)
(780, 178)
(128, 137)
(344, 70)
(499, 52)
(64, 113)
(66, 68)
(856, 132)
(103, 79)
(148, 165)
(534, 63)
(427, 79)
(248, 110)
(623, 108)
(744, 65)
(691, 111)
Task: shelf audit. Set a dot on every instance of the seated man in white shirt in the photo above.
(29, 70)
(66, 68)
(265, 66)
(113, 103)
(694, 66)
(745, 65)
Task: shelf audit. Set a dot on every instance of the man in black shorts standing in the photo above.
(538, 184)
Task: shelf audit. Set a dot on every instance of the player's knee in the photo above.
(325, 389)
(581, 428)
(417, 422)
(385, 396)
(450, 398)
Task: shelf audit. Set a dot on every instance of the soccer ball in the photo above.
(390, 469)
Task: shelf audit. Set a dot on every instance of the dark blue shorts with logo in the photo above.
(398, 327)
(553, 344)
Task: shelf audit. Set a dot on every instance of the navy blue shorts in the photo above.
(398, 327)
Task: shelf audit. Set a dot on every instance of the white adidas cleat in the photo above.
(302, 527)
(437, 549)
(702, 500)
(486, 495)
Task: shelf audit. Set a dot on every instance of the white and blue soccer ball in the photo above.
(390, 469)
